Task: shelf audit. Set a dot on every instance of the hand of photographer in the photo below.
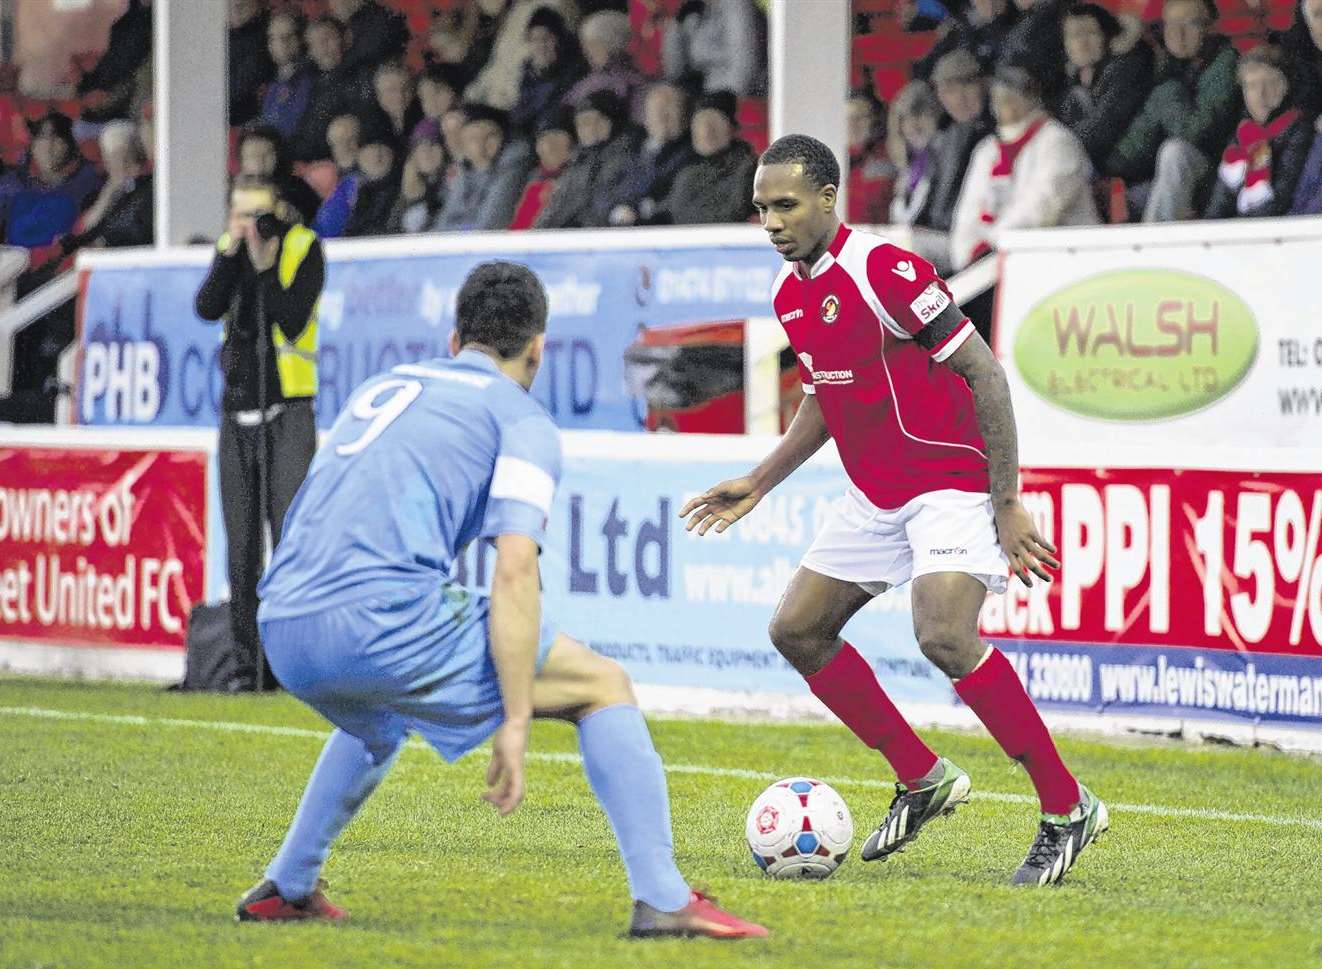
(261, 252)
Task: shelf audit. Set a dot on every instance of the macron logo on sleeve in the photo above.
(905, 270)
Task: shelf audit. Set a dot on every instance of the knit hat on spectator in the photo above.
(451, 75)
(551, 20)
(958, 65)
(722, 101)
(482, 112)
(1111, 28)
(561, 119)
(607, 103)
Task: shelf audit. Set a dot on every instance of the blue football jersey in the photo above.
(423, 459)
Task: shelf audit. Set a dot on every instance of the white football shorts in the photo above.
(938, 531)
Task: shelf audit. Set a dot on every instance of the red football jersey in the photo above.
(859, 322)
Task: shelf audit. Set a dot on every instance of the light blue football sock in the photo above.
(625, 773)
(342, 780)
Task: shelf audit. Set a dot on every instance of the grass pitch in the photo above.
(132, 819)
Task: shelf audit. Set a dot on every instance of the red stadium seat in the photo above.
(14, 134)
(887, 81)
(752, 112)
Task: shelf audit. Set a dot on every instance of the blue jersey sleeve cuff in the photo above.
(507, 516)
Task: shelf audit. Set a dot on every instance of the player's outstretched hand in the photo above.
(505, 774)
(720, 506)
(1023, 546)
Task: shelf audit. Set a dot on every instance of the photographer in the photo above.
(264, 283)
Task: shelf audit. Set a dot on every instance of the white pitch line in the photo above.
(228, 726)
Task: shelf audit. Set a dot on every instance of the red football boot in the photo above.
(699, 917)
(264, 903)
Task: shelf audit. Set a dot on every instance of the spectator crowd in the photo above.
(495, 114)
(1058, 112)
(516, 114)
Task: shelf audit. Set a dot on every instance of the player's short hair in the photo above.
(819, 162)
(501, 305)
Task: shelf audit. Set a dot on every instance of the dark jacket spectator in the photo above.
(716, 45)
(376, 35)
(1034, 42)
(1195, 98)
(961, 88)
(1168, 153)
(377, 189)
(43, 200)
(288, 95)
(1261, 166)
(422, 183)
(666, 150)
(121, 215)
(250, 65)
(262, 152)
(1110, 75)
(980, 29)
(718, 187)
(334, 89)
(490, 177)
(108, 88)
(555, 144)
(604, 38)
(440, 88)
(554, 65)
(607, 147)
(364, 198)
(1302, 45)
(394, 110)
(1308, 194)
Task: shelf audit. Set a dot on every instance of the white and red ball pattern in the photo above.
(799, 828)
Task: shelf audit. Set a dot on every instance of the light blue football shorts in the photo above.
(383, 666)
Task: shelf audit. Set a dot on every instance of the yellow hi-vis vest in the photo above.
(296, 363)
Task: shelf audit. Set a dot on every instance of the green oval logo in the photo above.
(1137, 345)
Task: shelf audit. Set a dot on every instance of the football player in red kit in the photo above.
(920, 411)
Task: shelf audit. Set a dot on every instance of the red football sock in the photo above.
(849, 687)
(993, 691)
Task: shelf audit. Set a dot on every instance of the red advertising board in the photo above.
(1211, 559)
(100, 545)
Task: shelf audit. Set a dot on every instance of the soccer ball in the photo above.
(799, 828)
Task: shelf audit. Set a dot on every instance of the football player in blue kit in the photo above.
(361, 620)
